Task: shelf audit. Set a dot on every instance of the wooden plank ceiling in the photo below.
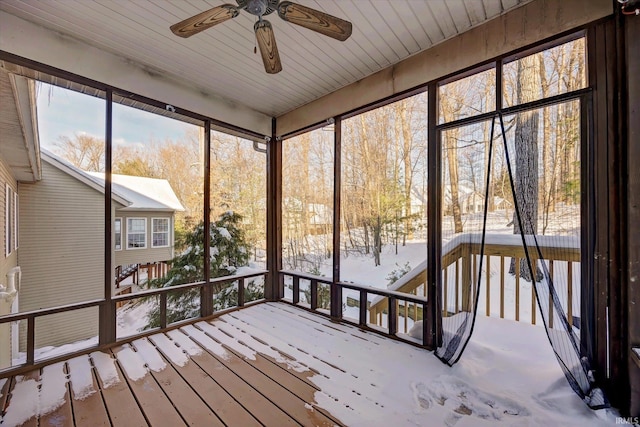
(221, 60)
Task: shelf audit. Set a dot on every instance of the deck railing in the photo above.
(318, 300)
(461, 257)
(161, 293)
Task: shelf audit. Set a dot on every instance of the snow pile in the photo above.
(149, 354)
(53, 388)
(81, 377)
(106, 368)
(24, 402)
(132, 364)
(170, 349)
(31, 397)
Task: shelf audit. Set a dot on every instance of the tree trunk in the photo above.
(377, 241)
(451, 142)
(405, 119)
(526, 157)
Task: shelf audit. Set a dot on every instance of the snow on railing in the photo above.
(459, 259)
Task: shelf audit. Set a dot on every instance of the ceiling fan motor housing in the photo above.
(258, 7)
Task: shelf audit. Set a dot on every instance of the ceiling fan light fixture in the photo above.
(257, 7)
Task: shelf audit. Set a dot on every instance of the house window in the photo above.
(11, 220)
(118, 233)
(136, 233)
(160, 232)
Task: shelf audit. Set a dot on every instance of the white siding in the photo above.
(61, 254)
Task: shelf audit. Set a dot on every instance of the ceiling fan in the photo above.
(312, 19)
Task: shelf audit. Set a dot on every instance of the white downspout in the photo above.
(10, 295)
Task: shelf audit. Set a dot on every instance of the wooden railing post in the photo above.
(427, 338)
(241, 293)
(296, 289)
(363, 308)
(163, 311)
(466, 279)
(488, 290)
(31, 339)
(392, 317)
(501, 286)
(314, 294)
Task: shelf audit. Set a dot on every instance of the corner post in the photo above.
(336, 291)
(106, 313)
(206, 292)
(273, 291)
(434, 247)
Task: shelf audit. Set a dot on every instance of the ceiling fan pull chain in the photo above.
(255, 42)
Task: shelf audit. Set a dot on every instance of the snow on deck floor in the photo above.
(507, 376)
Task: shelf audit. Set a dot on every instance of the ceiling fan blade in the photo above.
(268, 48)
(204, 20)
(315, 20)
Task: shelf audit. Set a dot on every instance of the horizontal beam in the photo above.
(532, 23)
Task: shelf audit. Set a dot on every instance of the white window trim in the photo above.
(168, 233)
(146, 243)
(7, 235)
(11, 213)
(16, 218)
(115, 233)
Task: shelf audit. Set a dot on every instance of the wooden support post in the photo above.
(434, 219)
(206, 292)
(107, 311)
(274, 287)
(336, 291)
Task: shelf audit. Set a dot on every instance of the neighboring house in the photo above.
(19, 162)
(62, 231)
(52, 220)
(144, 228)
(471, 201)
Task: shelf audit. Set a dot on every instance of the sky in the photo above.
(63, 112)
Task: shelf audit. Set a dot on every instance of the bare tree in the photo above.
(83, 151)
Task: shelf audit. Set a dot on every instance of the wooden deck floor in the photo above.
(219, 373)
(199, 375)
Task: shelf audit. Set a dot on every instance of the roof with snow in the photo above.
(144, 193)
(134, 192)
